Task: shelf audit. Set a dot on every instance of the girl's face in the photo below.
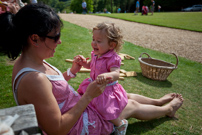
(100, 43)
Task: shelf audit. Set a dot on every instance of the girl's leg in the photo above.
(146, 100)
(147, 112)
(117, 122)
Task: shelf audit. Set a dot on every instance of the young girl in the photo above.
(105, 65)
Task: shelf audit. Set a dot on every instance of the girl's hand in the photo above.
(78, 62)
(80, 59)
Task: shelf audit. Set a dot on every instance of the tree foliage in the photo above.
(172, 5)
(76, 5)
(129, 5)
(113, 5)
(58, 5)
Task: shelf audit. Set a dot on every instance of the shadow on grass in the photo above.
(154, 83)
(140, 127)
(1, 54)
(145, 126)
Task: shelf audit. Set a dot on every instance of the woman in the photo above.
(35, 33)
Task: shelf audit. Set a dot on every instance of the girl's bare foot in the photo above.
(166, 98)
(175, 104)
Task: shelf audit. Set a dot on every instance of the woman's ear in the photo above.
(33, 39)
(112, 45)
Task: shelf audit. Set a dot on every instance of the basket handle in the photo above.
(171, 53)
(176, 59)
(144, 53)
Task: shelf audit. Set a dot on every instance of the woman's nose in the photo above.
(59, 41)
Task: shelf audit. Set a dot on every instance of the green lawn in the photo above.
(187, 80)
(180, 20)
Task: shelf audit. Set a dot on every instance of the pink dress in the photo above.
(90, 122)
(114, 99)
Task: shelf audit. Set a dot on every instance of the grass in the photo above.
(180, 20)
(187, 80)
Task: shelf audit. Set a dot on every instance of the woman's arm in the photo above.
(36, 89)
(74, 69)
(78, 62)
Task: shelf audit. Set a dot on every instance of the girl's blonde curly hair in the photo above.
(113, 33)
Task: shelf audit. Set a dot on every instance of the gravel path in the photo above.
(184, 43)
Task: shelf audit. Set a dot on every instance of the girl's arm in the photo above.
(87, 65)
(113, 75)
(48, 113)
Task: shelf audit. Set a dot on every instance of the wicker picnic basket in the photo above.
(156, 69)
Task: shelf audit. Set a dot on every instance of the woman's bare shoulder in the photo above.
(33, 85)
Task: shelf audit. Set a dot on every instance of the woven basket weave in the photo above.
(156, 69)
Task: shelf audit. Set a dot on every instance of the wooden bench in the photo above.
(26, 123)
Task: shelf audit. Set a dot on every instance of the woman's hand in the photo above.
(81, 60)
(75, 68)
(77, 63)
(94, 90)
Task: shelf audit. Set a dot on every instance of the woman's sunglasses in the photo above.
(56, 38)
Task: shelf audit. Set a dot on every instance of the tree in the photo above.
(111, 6)
(56, 4)
(53, 3)
(173, 5)
(76, 5)
(100, 5)
(60, 6)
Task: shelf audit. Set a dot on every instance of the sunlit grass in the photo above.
(180, 20)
